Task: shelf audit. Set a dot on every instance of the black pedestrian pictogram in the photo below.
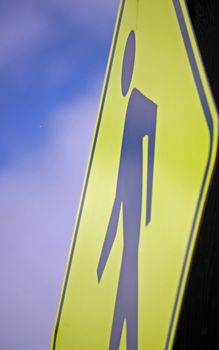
(140, 121)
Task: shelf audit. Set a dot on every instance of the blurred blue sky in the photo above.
(53, 55)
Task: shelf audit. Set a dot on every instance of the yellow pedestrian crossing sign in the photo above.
(146, 184)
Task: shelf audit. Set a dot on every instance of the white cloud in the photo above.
(20, 29)
(37, 209)
(96, 15)
(25, 23)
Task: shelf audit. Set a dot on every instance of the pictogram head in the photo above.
(128, 63)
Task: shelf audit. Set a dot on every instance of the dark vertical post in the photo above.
(198, 326)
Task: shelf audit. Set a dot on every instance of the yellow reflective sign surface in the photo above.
(146, 184)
